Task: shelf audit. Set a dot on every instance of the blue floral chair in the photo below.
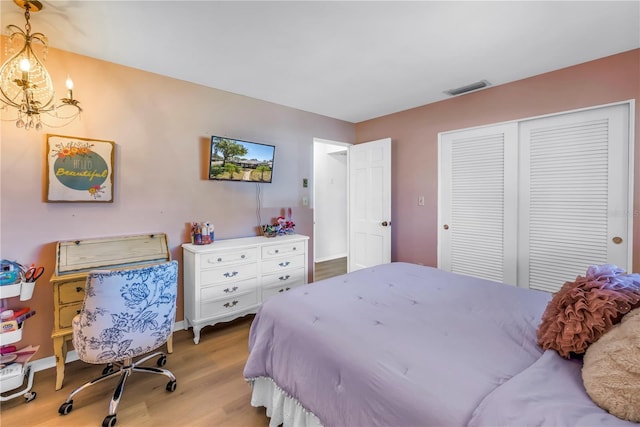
(125, 314)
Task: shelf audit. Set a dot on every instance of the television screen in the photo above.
(235, 160)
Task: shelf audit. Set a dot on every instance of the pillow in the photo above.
(584, 310)
(611, 370)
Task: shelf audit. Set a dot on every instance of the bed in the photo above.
(407, 345)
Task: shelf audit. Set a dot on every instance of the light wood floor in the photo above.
(211, 389)
(331, 268)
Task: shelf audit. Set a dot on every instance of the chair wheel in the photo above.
(162, 361)
(65, 408)
(28, 397)
(107, 369)
(171, 385)
(109, 421)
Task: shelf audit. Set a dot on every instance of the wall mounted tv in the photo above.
(236, 160)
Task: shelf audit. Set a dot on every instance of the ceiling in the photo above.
(353, 60)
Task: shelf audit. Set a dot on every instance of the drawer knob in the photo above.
(227, 290)
(283, 289)
(230, 304)
(294, 248)
(232, 274)
(243, 256)
(78, 288)
(284, 277)
(277, 250)
(284, 264)
(219, 259)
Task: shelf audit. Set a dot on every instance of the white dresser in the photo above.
(231, 278)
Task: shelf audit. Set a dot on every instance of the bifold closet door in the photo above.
(478, 205)
(534, 203)
(574, 195)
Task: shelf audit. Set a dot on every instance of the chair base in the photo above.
(125, 369)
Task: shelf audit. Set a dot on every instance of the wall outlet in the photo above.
(421, 201)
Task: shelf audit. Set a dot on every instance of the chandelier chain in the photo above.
(27, 15)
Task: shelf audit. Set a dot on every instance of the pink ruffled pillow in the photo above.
(584, 310)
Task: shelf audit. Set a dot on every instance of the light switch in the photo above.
(421, 201)
(305, 201)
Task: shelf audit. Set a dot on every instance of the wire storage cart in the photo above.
(14, 372)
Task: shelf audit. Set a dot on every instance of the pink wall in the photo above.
(161, 127)
(415, 138)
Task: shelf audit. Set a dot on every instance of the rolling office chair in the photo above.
(125, 314)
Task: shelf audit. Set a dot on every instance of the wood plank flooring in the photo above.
(211, 389)
(331, 268)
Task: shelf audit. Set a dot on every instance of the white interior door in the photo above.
(574, 195)
(369, 204)
(478, 202)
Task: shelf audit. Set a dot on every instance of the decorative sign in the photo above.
(79, 169)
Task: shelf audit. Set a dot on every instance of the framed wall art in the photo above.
(79, 169)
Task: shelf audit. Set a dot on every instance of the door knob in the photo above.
(384, 223)
(446, 226)
(617, 240)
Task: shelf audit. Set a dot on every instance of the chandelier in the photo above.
(26, 89)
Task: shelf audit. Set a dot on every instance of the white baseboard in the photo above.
(72, 356)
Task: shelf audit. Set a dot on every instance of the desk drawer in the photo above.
(67, 313)
(229, 305)
(283, 263)
(218, 259)
(71, 291)
(272, 251)
(230, 273)
(227, 290)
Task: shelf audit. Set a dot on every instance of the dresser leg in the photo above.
(196, 334)
(60, 350)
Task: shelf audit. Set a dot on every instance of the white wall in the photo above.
(330, 201)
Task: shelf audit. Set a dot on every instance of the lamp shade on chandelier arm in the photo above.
(26, 88)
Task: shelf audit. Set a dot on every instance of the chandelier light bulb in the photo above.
(69, 88)
(25, 65)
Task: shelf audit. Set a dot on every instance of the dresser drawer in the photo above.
(228, 289)
(284, 278)
(229, 305)
(272, 251)
(71, 291)
(282, 263)
(269, 292)
(67, 313)
(221, 258)
(229, 273)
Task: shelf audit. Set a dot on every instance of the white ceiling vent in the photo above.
(468, 88)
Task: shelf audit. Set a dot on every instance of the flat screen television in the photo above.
(236, 160)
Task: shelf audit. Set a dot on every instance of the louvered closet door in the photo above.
(478, 203)
(574, 181)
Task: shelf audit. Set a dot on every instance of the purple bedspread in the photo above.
(398, 345)
(548, 393)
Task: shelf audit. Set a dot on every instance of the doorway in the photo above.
(330, 208)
